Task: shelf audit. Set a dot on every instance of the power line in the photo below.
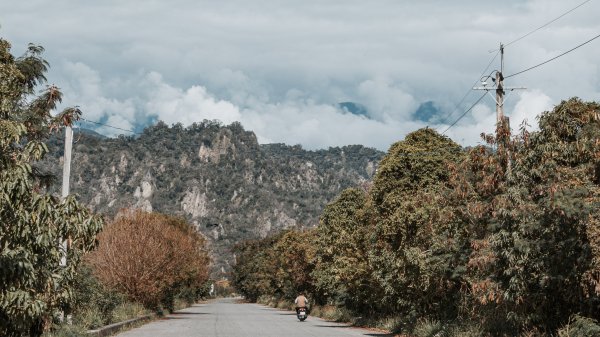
(469, 91)
(110, 126)
(546, 24)
(554, 58)
(496, 55)
(464, 113)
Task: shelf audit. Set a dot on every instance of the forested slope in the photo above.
(218, 177)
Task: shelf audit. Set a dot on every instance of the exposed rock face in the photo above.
(218, 177)
(195, 203)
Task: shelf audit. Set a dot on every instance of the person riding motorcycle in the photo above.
(301, 302)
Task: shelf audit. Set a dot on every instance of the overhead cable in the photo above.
(470, 90)
(545, 25)
(554, 58)
(464, 113)
(109, 126)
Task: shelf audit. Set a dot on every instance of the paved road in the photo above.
(226, 318)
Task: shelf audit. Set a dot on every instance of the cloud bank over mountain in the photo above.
(282, 69)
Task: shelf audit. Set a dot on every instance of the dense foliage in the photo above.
(278, 265)
(151, 258)
(500, 239)
(34, 287)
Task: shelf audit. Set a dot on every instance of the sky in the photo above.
(283, 67)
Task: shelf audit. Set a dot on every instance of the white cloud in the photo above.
(482, 119)
(385, 101)
(530, 105)
(281, 67)
(174, 105)
(85, 89)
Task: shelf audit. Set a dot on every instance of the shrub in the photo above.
(579, 326)
(93, 303)
(467, 329)
(149, 257)
(429, 328)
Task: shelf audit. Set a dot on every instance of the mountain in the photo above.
(354, 108)
(426, 111)
(218, 177)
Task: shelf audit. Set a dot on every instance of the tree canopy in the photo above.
(500, 239)
(33, 285)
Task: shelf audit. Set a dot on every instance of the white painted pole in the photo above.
(65, 192)
(65, 182)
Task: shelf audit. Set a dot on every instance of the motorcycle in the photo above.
(302, 314)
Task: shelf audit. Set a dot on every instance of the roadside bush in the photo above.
(67, 330)
(580, 326)
(429, 328)
(467, 329)
(93, 304)
(149, 257)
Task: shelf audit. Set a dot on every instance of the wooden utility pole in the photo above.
(500, 90)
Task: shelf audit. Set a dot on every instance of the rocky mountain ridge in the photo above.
(218, 177)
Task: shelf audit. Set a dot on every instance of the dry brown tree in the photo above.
(148, 255)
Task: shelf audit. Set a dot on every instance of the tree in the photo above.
(294, 260)
(254, 271)
(148, 256)
(546, 217)
(407, 193)
(342, 271)
(33, 286)
(529, 210)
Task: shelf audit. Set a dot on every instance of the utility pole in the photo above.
(499, 88)
(65, 183)
(502, 122)
(64, 242)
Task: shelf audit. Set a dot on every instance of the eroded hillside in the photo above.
(218, 177)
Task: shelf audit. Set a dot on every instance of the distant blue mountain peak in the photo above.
(426, 111)
(354, 108)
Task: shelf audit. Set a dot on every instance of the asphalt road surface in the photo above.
(227, 318)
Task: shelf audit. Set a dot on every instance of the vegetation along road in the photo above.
(227, 318)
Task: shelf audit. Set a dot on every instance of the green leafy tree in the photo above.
(254, 272)
(540, 233)
(294, 260)
(33, 286)
(342, 271)
(529, 211)
(407, 196)
(276, 266)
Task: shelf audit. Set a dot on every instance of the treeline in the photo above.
(499, 239)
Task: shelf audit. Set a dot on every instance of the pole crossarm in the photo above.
(495, 88)
(499, 103)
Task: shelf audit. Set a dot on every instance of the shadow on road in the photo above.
(183, 315)
(373, 334)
